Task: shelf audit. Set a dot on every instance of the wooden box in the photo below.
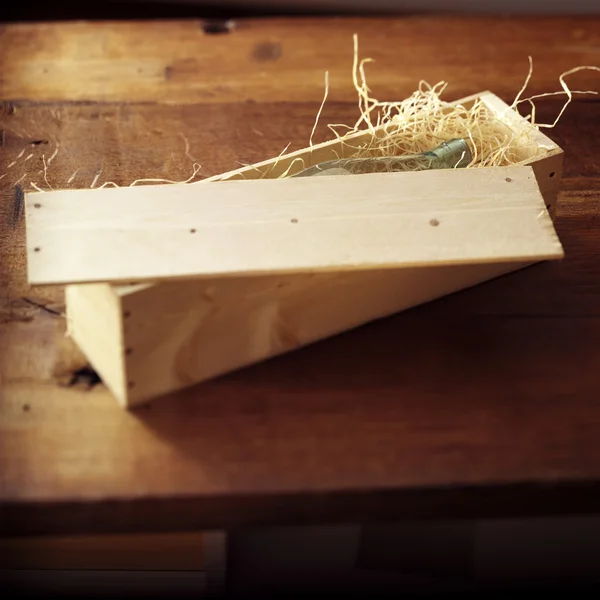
(155, 336)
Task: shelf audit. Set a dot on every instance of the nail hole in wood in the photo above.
(37, 206)
(192, 231)
(128, 351)
(37, 249)
(127, 314)
(508, 179)
(131, 384)
(26, 407)
(552, 174)
(434, 222)
(294, 220)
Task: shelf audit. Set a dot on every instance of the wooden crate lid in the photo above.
(233, 228)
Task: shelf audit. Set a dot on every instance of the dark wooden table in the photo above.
(484, 403)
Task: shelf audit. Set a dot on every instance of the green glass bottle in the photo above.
(453, 154)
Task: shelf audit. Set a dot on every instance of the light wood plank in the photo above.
(180, 333)
(185, 332)
(98, 330)
(385, 220)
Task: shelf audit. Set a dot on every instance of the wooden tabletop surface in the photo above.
(485, 402)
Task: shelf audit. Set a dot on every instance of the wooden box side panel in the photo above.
(181, 333)
(548, 173)
(294, 162)
(95, 323)
(546, 159)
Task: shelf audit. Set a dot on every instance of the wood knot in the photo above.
(267, 52)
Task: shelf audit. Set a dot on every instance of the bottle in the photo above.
(453, 154)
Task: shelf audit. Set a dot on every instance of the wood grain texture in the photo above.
(305, 225)
(285, 440)
(485, 402)
(270, 60)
